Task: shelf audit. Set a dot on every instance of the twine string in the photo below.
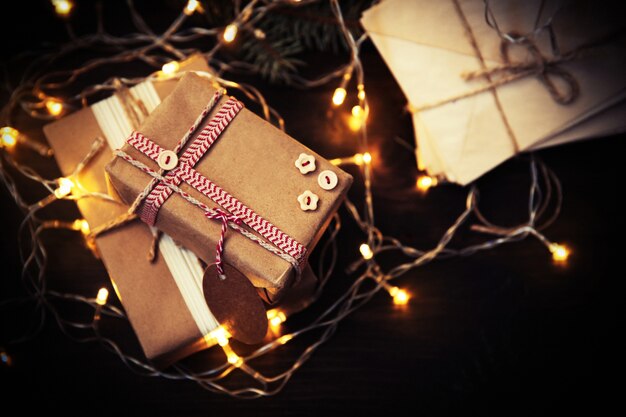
(560, 83)
(225, 218)
(546, 70)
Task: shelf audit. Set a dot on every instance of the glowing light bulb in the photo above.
(9, 136)
(191, 7)
(275, 321)
(235, 359)
(276, 318)
(366, 251)
(400, 296)
(170, 68)
(354, 123)
(54, 107)
(103, 295)
(230, 33)
(231, 356)
(259, 34)
(560, 253)
(359, 115)
(65, 187)
(221, 335)
(63, 8)
(339, 96)
(358, 112)
(361, 158)
(424, 183)
(82, 225)
(361, 93)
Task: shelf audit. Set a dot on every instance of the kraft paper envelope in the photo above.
(427, 48)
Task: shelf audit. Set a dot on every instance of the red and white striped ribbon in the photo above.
(162, 187)
(243, 231)
(160, 193)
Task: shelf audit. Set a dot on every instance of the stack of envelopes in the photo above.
(544, 73)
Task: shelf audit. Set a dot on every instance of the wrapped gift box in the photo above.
(254, 162)
(151, 295)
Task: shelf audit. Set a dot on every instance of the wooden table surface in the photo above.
(503, 332)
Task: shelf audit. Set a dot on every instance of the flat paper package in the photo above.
(164, 325)
(254, 162)
(428, 49)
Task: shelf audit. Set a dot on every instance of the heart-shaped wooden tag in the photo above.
(235, 304)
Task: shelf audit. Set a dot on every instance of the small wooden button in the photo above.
(308, 200)
(327, 180)
(305, 163)
(167, 160)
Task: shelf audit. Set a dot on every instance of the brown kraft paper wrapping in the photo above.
(152, 301)
(254, 162)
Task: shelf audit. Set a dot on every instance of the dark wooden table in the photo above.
(503, 332)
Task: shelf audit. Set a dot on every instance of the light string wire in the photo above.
(545, 197)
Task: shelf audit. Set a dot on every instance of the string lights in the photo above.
(259, 34)
(55, 107)
(365, 269)
(83, 226)
(339, 96)
(9, 137)
(230, 33)
(102, 297)
(366, 251)
(358, 118)
(170, 68)
(361, 92)
(425, 182)
(357, 159)
(358, 112)
(560, 253)
(65, 187)
(400, 296)
(192, 6)
(63, 8)
(275, 318)
(221, 335)
(101, 300)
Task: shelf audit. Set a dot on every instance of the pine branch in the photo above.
(274, 58)
(315, 26)
(290, 31)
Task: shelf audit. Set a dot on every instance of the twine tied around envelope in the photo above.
(147, 204)
(547, 70)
